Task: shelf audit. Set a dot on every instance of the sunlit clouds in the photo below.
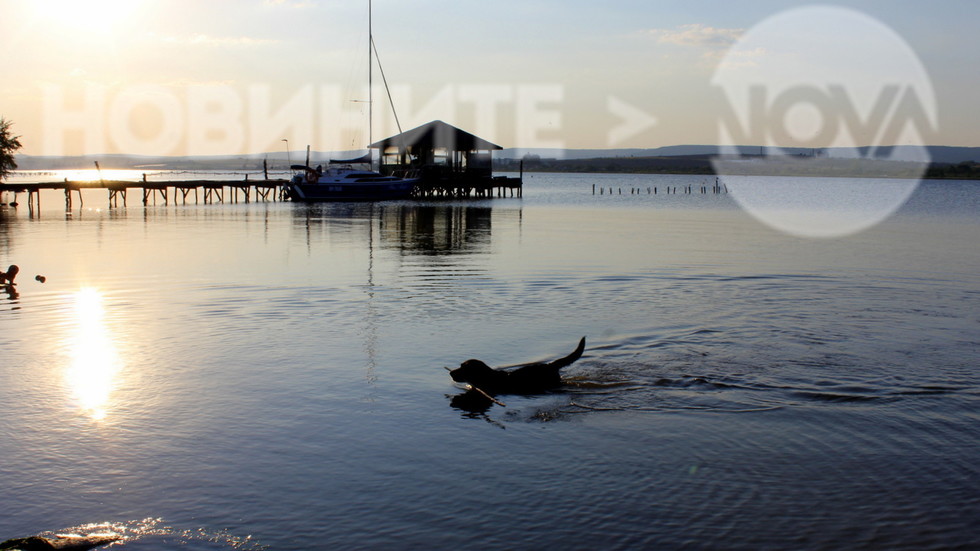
(696, 34)
(201, 39)
(138, 76)
(289, 3)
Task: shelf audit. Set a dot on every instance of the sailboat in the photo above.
(346, 182)
(342, 180)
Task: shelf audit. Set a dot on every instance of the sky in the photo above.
(223, 77)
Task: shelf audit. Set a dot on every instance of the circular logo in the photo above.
(824, 121)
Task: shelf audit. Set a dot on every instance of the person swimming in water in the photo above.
(7, 278)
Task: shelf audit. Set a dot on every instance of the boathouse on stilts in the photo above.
(449, 162)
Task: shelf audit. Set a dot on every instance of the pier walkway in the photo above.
(483, 188)
(176, 191)
(220, 191)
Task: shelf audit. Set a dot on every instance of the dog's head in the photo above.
(471, 371)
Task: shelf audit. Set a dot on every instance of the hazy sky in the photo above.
(177, 77)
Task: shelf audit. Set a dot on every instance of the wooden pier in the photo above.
(481, 188)
(175, 191)
(449, 163)
(220, 191)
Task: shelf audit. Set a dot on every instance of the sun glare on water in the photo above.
(95, 363)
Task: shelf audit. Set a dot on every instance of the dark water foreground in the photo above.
(270, 376)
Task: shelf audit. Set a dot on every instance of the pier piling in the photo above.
(149, 190)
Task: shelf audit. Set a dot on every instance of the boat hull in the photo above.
(373, 191)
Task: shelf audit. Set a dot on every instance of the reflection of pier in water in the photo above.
(437, 230)
(423, 230)
(433, 246)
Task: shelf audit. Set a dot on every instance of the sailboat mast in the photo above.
(370, 87)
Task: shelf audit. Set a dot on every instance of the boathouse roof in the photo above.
(436, 135)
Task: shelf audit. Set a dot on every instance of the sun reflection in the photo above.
(95, 363)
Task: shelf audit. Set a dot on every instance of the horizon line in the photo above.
(283, 152)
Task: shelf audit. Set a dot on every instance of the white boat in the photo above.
(343, 182)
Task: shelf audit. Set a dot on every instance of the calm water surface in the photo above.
(270, 375)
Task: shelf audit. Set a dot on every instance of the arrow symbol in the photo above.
(634, 122)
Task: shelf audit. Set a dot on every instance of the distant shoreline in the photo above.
(752, 166)
(747, 165)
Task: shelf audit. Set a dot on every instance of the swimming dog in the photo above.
(524, 379)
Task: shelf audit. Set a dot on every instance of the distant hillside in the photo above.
(673, 159)
(746, 165)
(937, 154)
(276, 161)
